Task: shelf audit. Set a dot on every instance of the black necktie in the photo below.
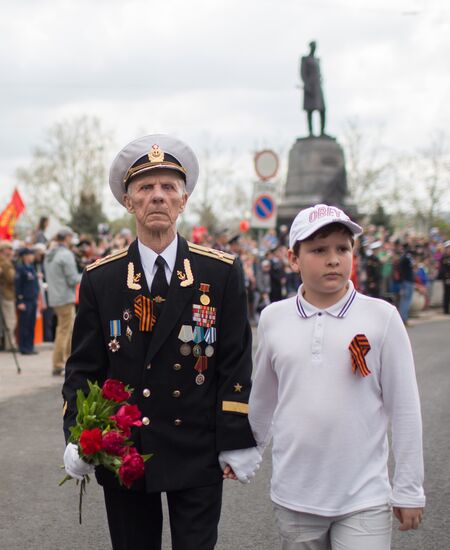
(159, 284)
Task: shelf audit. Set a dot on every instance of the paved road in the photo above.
(35, 514)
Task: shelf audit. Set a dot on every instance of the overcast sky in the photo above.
(222, 72)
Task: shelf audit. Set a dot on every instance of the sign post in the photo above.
(264, 204)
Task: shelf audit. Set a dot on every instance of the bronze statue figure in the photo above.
(312, 84)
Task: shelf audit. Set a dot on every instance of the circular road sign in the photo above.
(264, 207)
(266, 164)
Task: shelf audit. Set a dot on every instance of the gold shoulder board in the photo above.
(212, 253)
(110, 258)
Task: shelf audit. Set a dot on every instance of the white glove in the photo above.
(75, 466)
(244, 462)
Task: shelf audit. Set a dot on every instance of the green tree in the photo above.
(87, 215)
(379, 217)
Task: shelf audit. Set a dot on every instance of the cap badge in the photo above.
(155, 154)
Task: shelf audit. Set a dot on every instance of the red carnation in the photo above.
(113, 443)
(132, 467)
(127, 416)
(91, 441)
(114, 390)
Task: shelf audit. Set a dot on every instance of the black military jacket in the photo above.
(188, 419)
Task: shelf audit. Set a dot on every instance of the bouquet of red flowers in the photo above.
(102, 431)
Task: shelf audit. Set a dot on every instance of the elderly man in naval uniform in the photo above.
(168, 318)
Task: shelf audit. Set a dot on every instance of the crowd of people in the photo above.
(386, 266)
(395, 268)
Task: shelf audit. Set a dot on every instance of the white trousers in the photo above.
(368, 529)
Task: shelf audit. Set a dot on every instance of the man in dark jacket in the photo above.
(444, 274)
(406, 277)
(27, 291)
(190, 370)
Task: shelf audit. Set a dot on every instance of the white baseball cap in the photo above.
(309, 220)
(149, 153)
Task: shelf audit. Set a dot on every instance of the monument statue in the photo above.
(316, 168)
(312, 85)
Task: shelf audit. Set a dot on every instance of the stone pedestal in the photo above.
(316, 174)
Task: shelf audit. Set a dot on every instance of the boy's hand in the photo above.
(228, 473)
(409, 518)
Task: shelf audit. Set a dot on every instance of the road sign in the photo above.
(266, 164)
(264, 208)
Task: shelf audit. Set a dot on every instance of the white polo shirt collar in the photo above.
(148, 259)
(338, 310)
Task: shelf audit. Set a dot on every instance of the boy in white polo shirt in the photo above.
(333, 368)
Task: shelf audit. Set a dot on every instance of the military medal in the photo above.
(210, 338)
(197, 338)
(114, 332)
(127, 315)
(114, 345)
(129, 333)
(200, 366)
(203, 316)
(185, 349)
(185, 335)
(197, 350)
(204, 298)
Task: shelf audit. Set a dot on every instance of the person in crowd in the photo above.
(406, 278)
(277, 275)
(373, 271)
(385, 256)
(421, 277)
(27, 292)
(269, 241)
(8, 296)
(248, 262)
(48, 316)
(221, 237)
(85, 253)
(263, 285)
(444, 275)
(189, 362)
(235, 248)
(333, 369)
(62, 279)
(40, 236)
(283, 235)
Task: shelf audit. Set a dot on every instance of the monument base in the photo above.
(316, 174)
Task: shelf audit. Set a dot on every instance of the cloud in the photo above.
(225, 69)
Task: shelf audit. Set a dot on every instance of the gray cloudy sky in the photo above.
(220, 71)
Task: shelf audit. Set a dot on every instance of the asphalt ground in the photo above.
(36, 514)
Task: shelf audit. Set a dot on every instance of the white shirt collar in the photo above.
(148, 259)
(339, 309)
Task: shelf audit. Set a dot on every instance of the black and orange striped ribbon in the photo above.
(359, 347)
(144, 310)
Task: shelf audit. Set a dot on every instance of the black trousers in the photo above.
(27, 320)
(135, 518)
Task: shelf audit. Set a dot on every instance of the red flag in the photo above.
(10, 215)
